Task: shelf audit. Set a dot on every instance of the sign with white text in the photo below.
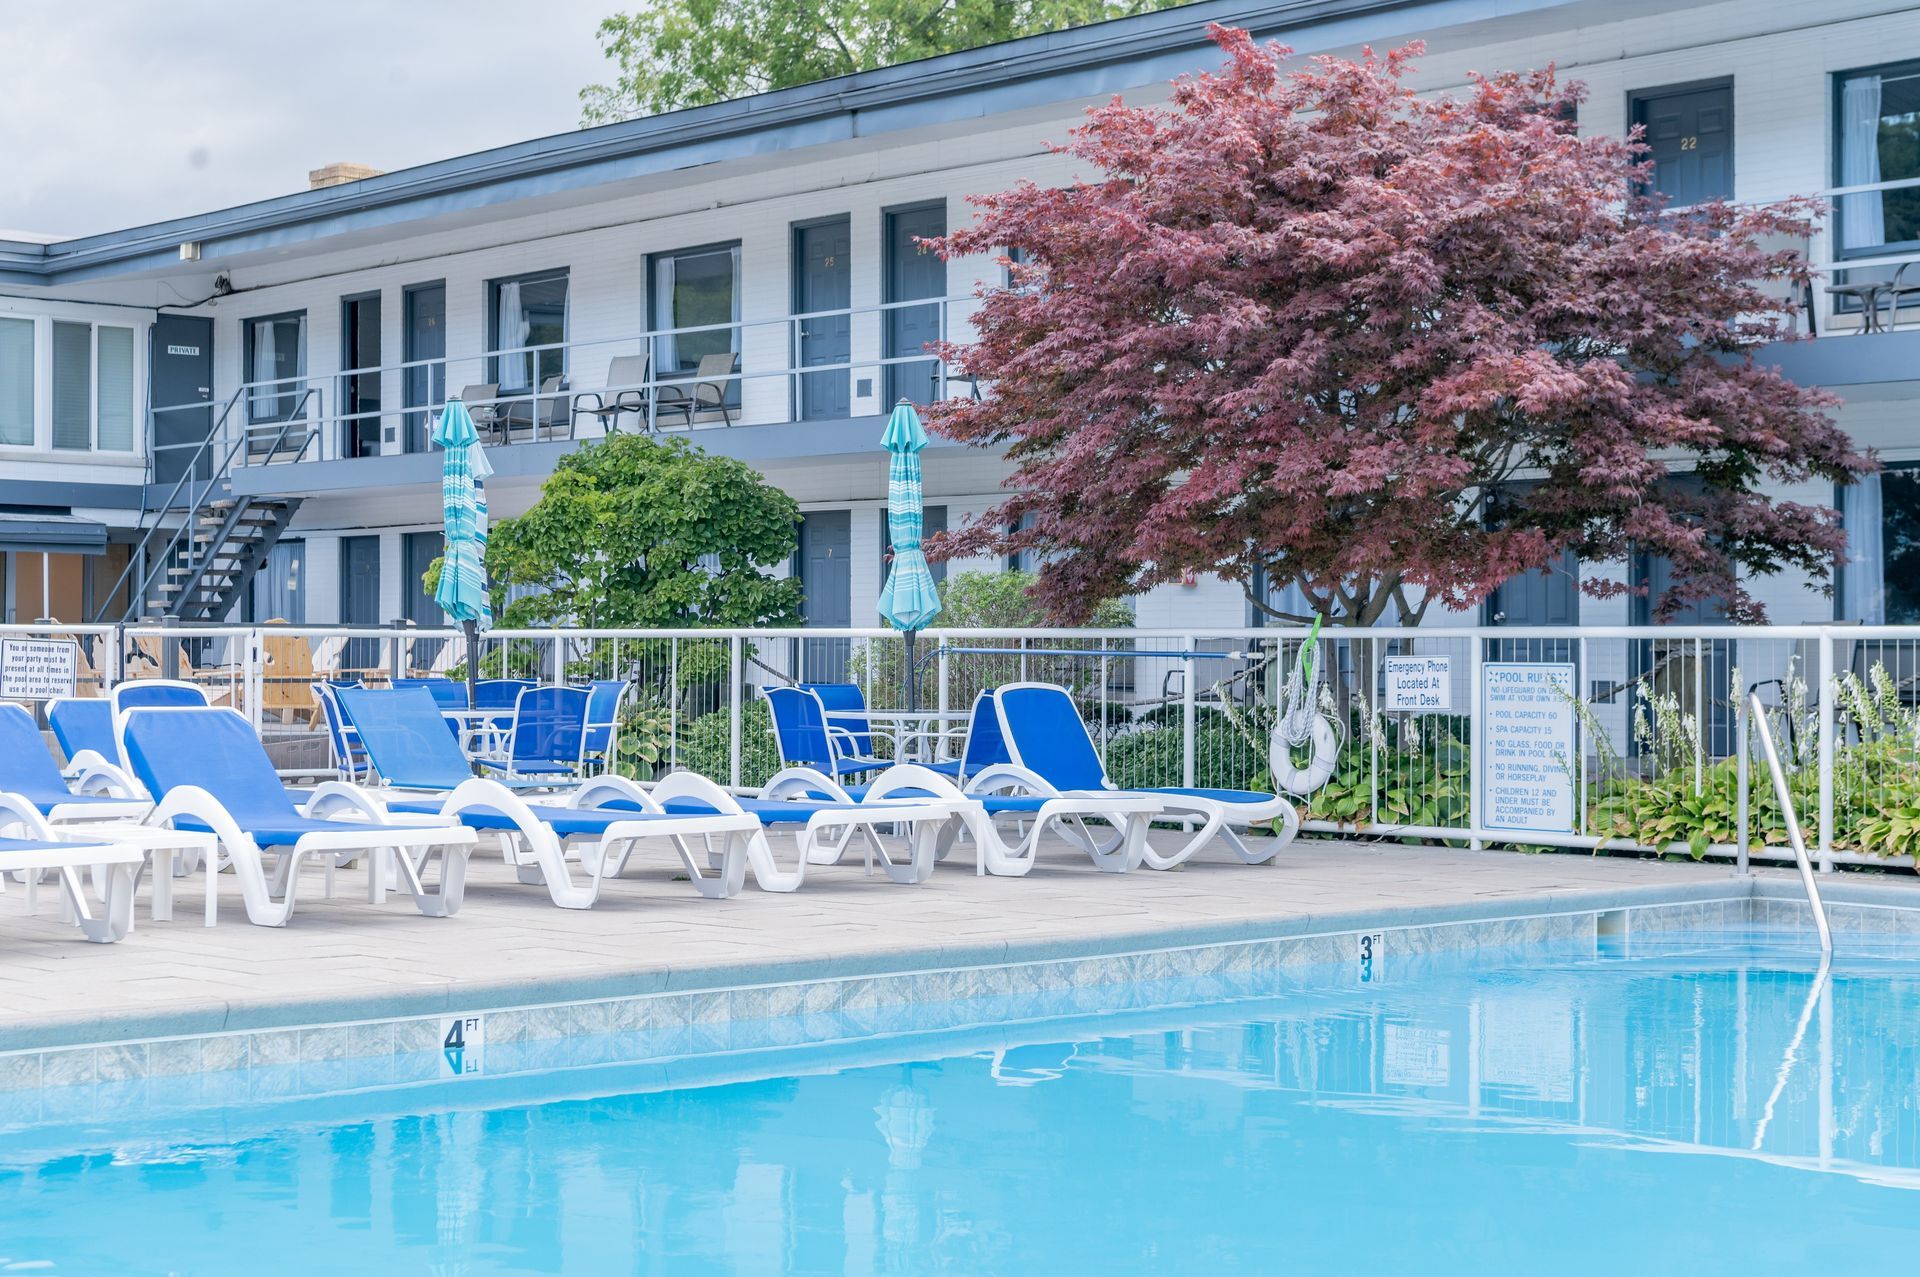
(38, 669)
(1527, 731)
(1418, 683)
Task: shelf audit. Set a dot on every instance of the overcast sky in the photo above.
(119, 112)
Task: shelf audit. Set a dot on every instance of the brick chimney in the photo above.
(338, 174)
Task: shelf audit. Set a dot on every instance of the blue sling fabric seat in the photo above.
(805, 737)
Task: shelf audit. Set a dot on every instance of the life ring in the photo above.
(1303, 779)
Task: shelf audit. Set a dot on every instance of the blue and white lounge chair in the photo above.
(28, 771)
(349, 759)
(122, 863)
(980, 816)
(410, 750)
(207, 771)
(815, 825)
(806, 737)
(1053, 755)
(83, 726)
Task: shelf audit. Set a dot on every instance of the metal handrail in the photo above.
(137, 597)
(1755, 710)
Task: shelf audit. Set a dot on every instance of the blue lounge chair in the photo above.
(805, 737)
(28, 771)
(83, 726)
(1053, 755)
(601, 736)
(815, 825)
(208, 771)
(547, 735)
(446, 693)
(409, 750)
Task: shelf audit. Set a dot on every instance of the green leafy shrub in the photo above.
(704, 745)
(645, 735)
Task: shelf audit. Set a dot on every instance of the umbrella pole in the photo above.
(473, 659)
(913, 682)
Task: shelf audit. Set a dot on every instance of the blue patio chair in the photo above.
(501, 694)
(847, 705)
(349, 759)
(549, 724)
(400, 733)
(605, 696)
(28, 772)
(207, 771)
(805, 737)
(1053, 754)
(446, 693)
(156, 693)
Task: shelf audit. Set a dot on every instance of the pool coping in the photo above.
(260, 1013)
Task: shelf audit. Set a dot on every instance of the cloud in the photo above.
(118, 113)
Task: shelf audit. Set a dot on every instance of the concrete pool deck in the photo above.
(344, 959)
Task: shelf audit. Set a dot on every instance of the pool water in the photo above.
(1702, 1108)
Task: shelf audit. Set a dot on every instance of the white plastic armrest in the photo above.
(1003, 778)
(606, 789)
(101, 778)
(804, 782)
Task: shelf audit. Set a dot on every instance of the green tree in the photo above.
(679, 53)
(640, 532)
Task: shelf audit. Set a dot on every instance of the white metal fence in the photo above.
(1648, 716)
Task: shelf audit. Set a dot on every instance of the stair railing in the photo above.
(1753, 711)
(219, 475)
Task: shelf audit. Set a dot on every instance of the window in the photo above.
(16, 382)
(524, 312)
(695, 288)
(72, 386)
(113, 390)
(1877, 125)
(1880, 579)
(276, 365)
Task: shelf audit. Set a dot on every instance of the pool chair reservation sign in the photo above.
(1527, 729)
(38, 669)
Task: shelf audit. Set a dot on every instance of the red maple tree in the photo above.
(1398, 349)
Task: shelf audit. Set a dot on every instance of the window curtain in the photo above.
(733, 255)
(115, 392)
(16, 382)
(512, 331)
(298, 371)
(264, 403)
(1862, 223)
(666, 346)
(1863, 577)
(73, 386)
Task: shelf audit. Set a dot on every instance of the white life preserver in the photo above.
(1303, 779)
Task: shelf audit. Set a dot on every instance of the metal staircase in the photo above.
(202, 544)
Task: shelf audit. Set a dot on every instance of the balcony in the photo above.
(743, 386)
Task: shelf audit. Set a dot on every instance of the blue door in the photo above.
(823, 281)
(182, 380)
(1689, 135)
(825, 562)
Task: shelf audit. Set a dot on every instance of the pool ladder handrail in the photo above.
(1755, 711)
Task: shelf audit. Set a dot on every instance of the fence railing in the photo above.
(1617, 737)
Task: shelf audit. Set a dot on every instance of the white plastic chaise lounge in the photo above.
(815, 825)
(425, 772)
(65, 859)
(982, 812)
(1053, 755)
(207, 771)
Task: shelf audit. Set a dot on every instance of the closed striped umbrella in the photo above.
(909, 599)
(462, 592)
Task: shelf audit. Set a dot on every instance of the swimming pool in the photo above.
(1700, 1104)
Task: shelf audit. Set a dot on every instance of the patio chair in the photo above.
(817, 826)
(549, 411)
(28, 771)
(83, 727)
(1053, 756)
(805, 737)
(446, 693)
(545, 740)
(349, 759)
(399, 729)
(207, 771)
(706, 391)
(846, 705)
(601, 736)
(482, 401)
(628, 390)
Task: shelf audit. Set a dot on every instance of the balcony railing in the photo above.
(813, 366)
(1869, 283)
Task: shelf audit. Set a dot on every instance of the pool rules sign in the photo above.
(1527, 729)
(38, 669)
